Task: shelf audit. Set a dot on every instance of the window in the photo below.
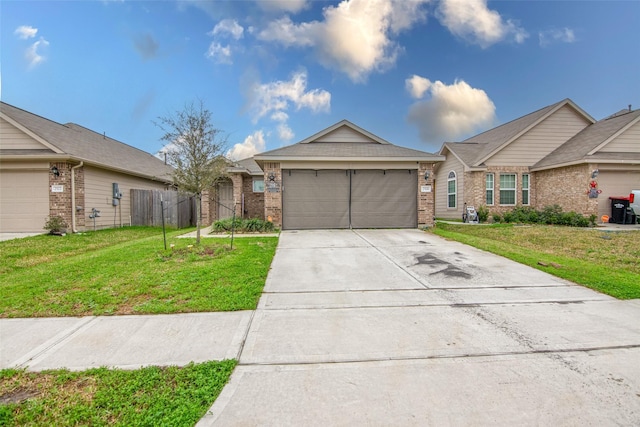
(489, 189)
(258, 185)
(508, 189)
(525, 188)
(451, 190)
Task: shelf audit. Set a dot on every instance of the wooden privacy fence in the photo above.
(179, 209)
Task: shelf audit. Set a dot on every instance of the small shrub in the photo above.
(252, 225)
(550, 215)
(56, 225)
(483, 213)
(497, 218)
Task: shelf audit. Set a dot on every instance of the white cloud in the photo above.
(25, 32)
(276, 97)
(228, 27)
(280, 116)
(355, 36)
(564, 35)
(451, 111)
(473, 21)
(417, 86)
(293, 6)
(167, 148)
(252, 144)
(33, 54)
(220, 54)
(285, 133)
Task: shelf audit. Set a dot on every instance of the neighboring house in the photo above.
(47, 168)
(346, 177)
(544, 158)
(244, 190)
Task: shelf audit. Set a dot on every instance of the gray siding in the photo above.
(627, 142)
(344, 134)
(540, 140)
(451, 164)
(12, 138)
(98, 194)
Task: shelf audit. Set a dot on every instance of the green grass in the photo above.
(153, 396)
(601, 260)
(127, 271)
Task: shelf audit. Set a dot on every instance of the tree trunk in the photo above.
(198, 202)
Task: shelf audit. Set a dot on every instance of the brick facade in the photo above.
(237, 194)
(60, 203)
(566, 187)
(273, 196)
(426, 201)
(253, 202)
(474, 193)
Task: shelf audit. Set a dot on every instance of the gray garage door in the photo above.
(349, 198)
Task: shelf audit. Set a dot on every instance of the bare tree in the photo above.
(195, 149)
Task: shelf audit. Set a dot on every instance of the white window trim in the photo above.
(515, 190)
(493, 188)
(528, 189)
(254, 185)
(455, 192)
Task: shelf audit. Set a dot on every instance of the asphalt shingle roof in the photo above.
(585, 141)
(488, 142)
(374, 149)
(89, 146)
(250, 165)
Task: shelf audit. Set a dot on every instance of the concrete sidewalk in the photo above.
(399, 327)
(127, 342)
(381, 327)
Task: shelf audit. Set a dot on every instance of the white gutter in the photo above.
(73, 197)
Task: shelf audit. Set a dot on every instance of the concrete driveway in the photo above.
(399, 327)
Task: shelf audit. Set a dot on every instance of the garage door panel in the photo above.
(24, 200)
(315, 199)
(384, 199)
(615, 183)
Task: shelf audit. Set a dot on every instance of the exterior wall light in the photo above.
(426, 176)
(55, 171)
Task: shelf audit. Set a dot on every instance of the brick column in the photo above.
(60, 202)
(205, 208)
(426, 200)
(236, 179)
(273, 193)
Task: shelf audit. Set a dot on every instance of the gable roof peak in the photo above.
(318, 137)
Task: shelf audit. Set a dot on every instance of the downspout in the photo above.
(73, 197)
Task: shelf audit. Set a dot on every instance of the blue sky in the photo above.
(416, 73)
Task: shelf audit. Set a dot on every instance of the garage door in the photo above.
(615, 183)
(24, 201)
(349, 198)
(315, 199)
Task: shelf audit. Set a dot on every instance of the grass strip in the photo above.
(607, 263)
(137, 276)
(152, 396)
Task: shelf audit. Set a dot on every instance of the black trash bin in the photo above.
(620, 211)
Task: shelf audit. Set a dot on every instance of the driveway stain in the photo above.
(449, 269)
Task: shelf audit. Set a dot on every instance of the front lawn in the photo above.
(153, 396)
(127, 271)
(606, 261)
